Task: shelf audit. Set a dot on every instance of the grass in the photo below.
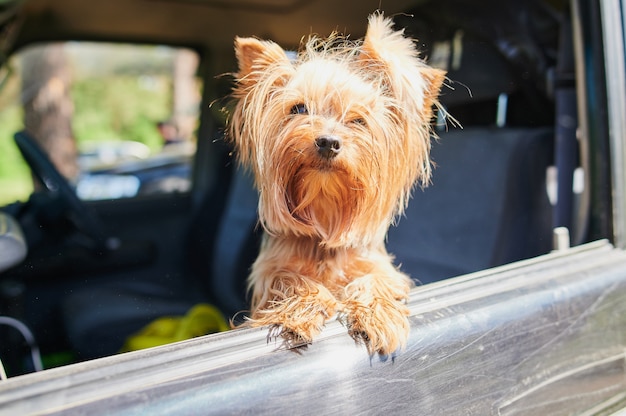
(15, 189)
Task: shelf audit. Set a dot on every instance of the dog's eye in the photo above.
(299, 109)
(360, 121)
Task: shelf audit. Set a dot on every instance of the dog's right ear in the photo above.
(254, 56)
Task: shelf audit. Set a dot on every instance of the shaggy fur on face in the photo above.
(336, 140)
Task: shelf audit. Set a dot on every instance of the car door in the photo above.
(121, 217)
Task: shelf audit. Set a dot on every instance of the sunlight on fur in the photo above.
(336, 141)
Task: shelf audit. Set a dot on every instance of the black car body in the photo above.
(523, 304)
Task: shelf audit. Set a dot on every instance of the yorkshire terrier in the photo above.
(336, 139)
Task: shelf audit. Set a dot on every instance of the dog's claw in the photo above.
(291, 339)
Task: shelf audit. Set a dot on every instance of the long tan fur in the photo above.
(326, 218)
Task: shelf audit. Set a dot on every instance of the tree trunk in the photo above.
(186, 94)
(48, 107)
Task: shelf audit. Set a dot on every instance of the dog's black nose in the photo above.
(328, 146)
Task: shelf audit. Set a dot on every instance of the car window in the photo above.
(117, 120)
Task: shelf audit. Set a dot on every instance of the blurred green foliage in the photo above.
(121, 108)
(15, 178)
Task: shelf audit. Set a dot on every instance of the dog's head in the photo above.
(337, 137)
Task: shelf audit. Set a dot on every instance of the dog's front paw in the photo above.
(297, 319)
(382, 325)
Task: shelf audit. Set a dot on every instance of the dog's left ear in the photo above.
(395, 57)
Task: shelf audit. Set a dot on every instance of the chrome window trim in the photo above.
(612, 12)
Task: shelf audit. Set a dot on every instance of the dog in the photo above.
(336, 139)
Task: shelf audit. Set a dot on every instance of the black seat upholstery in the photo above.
(487, 204)
(236, 246)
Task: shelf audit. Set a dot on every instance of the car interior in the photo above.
(97, 272)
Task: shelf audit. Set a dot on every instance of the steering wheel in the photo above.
(83, 217)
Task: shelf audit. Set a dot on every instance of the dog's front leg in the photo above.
(375, 310)
(296, 307)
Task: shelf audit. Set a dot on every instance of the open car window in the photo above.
(117, 120)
